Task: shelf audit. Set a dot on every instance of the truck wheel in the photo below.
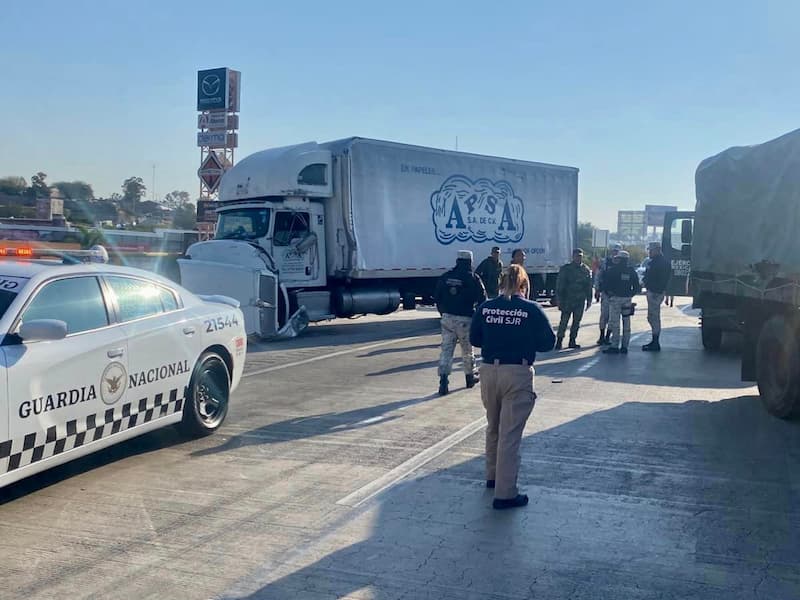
(712, 336)
(777, 367)
(207, 398)
(409, 301)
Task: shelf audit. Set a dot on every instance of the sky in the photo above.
(635, 94)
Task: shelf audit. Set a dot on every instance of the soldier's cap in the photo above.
(495, 248)
(577, 251)
(465, 255)
(616, 246)
(655, 246)
(623, 254)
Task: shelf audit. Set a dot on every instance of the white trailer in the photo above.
(358, 226)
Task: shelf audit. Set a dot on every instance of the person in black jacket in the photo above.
(656, 278)
(457, 293)
(621, 283)
(510, 330)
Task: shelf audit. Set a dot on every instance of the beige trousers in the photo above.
(508, 397)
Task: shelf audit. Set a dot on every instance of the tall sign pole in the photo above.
(218, 92)
(218, 95)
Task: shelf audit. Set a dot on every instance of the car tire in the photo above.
(777, 372)
(207, 396)
(711, 336)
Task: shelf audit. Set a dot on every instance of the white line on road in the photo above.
(335, 354)
(405, 469)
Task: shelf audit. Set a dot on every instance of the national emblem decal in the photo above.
(113, 383)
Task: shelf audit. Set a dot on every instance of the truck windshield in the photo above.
(243, 224)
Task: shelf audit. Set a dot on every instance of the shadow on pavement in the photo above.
(689, 500)
(308, 427)
(679, 364)
(350, 331)
(383, 351)
(143, 444)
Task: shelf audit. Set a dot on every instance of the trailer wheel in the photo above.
(712, 336)
(409, 301)
(778, 367)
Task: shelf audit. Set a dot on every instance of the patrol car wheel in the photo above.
(777, 372)
(207, 400)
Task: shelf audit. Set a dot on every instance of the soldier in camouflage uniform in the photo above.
(457, 293)
(573, 291)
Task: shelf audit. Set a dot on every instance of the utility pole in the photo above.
(153, 188)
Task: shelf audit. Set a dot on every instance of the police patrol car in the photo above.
(94, 354)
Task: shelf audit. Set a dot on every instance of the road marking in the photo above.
(403, 470)
(334, 355)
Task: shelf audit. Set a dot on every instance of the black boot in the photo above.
(653, 346)
(574, 344)
(472, 379)
(504, 503)
(443, 383)
(602, 339)
(607, 342)
(559, 343)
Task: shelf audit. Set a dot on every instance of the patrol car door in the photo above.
(162, 344)
(64, 394)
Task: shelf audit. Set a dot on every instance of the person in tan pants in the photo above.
(510, 330)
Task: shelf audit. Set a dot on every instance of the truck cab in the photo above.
(269, 246)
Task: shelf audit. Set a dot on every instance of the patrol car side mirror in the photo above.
(40, 330)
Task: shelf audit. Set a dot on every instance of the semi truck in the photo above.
(359, 226)
(741, 251)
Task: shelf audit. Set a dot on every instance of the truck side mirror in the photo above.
(686, 231)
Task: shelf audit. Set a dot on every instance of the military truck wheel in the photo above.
(206, 403)
(778, 367)
(712, 336)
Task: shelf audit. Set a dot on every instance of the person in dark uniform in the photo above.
(457, 293)
(621, 283)
(510, 330)
(490, 271)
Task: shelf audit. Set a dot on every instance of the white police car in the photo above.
(93, 354)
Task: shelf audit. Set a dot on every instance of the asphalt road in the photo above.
(340, 474)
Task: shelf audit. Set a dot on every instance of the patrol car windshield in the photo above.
(243, 224)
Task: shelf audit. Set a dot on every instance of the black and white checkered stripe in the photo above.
(58, 439)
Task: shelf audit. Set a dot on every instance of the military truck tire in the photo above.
(206, 403)
(712, 336)
(778, 367)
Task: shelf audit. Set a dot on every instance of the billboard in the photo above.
(654, 214)
(631, 224)
(207, 211)
(212, 89)
(218, 89)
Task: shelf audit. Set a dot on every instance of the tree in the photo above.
(185, 217)
(176, 198)
(91, 237)
(584, 239)
(13, 185)
(39, 187)
(75, 190)
(133, 190)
